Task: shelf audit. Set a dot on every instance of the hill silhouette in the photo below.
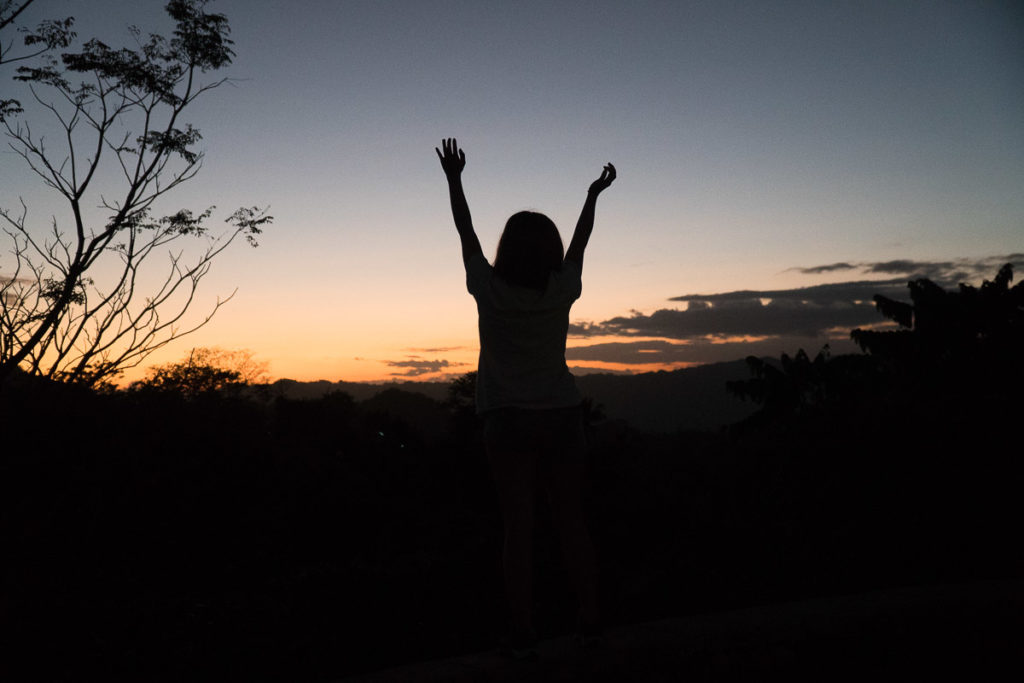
(360, 391)
(670, 401)
(656, 402)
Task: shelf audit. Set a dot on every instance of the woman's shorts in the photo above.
(554, 434)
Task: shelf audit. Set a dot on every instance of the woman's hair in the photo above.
(529, 250)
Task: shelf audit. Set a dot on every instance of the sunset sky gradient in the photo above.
(760, 147)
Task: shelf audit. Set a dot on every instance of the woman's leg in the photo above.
(566, 493)
(515, 474)
(565, 474)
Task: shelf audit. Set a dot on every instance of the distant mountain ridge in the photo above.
(669, 401)
(294, 389)
(664, 401)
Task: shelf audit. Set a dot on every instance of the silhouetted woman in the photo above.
(533, 421)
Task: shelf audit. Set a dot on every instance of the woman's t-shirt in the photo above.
(522, 339)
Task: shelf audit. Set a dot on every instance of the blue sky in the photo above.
(752, 140)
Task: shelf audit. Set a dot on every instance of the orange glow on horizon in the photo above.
(595, 366)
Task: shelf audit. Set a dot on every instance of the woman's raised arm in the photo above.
(453, 160)
(585, 224)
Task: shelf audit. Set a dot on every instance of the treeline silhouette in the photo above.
(167, 535)
(955, 356)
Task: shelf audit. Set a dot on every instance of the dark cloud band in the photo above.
(805, 313)
(414, 367)
(950, 272)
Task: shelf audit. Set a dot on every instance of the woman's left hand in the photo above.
(602, 183)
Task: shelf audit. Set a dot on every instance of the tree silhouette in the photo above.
(47, 35)
(796, 384)
(971, 338)
(204, 371)
(462, 393)
(56, 320)
(949, 346)
(461, 404)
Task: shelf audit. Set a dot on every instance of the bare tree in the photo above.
(56, 320)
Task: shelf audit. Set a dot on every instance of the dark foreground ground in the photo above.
(972, 631)
(148, 537)
(175, 534)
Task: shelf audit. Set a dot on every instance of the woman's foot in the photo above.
(520, 644)
(590, 636)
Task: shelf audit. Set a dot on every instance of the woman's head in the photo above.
(530, 248)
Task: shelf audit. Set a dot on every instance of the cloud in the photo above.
(437, 349)
(945, 273)
(579, 370)
(583, 328)
(830, 268)
(654, 351)
(12, 289)
(7, 281)
(802, 313)
(414, 367)
(858, 290)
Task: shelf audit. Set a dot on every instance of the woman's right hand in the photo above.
(453, 159)
(602, 183)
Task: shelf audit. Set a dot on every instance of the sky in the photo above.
(773, 157)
